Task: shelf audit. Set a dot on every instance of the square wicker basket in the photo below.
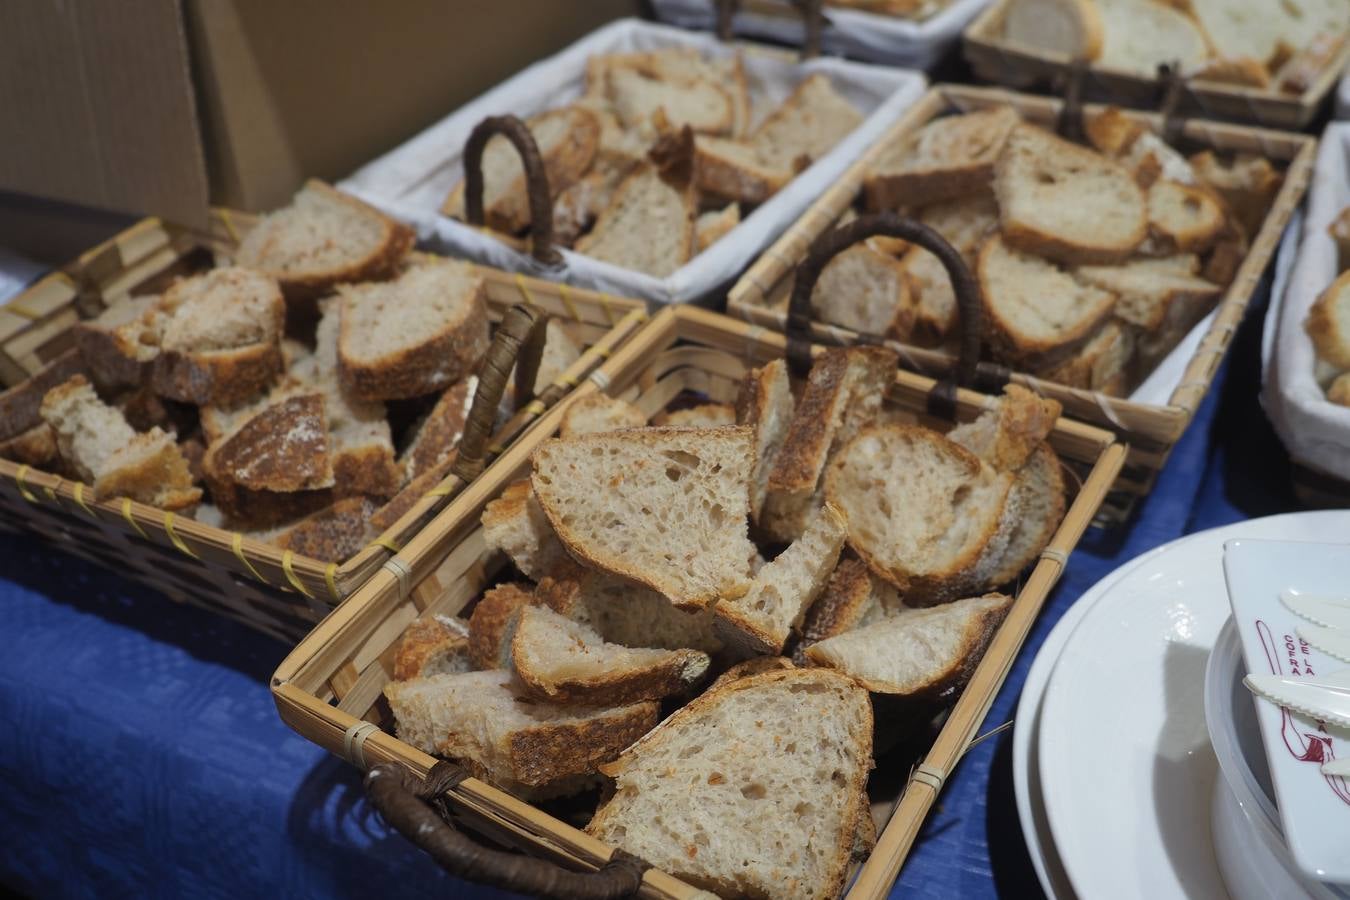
(280, 593)
(1151, 430)
(330, 688)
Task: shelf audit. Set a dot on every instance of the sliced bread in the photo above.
(1140, 35)
(118, 346)
(760, 622)
(597, 413)
(852, 598)
(334, 534)
(564, 661)
(1009, 432)
(1102, 364)
(1151, 294)
(324, 238)
(1328, 323)
(1338, 391)
(105, 452)
(728, 795)
(1247, 182)
(482, 720)
(437, 434)
(515, 524)
(765, 404)
(433, 645)
(701, 104)
(20, 405)
(1037, 314)
(665, 507)
(947, 158)
(704, 415)
(648, 226)
(1066, 202)
(733, 170)
(867, 291)
(1183, 218)
(417, 334)
(492, 625)
(1037, 495)
(923, 512)
(35, 447)
(920, 652)
(807, 125)
(1071, 29)
(1249, 29)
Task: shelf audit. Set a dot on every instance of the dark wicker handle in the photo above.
(519, 341)
(968, 368)
(1070, 123)
(813, 19)
(417, 811)
(536, 181)
(1173, 85)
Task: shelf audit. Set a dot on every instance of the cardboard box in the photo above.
(161, 107)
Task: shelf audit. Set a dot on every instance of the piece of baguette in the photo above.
(729, 795)
(1008, 433)
(682, 498)
(765, 404)
(1328, 323)
(923, 512)
(118, 346)
(324, 238)
(921, 652)
(760, 622)
(482, 720)
(947, 158)
(1301, 73)
(433, 645)
(438, 433)
(753, 666)
(515, 524)
(1140, 35)
(1037, 495)
(701, 104)
(492, 624)
(1154, 294)
(417, 334)
(1066, 202)
(564, 661)
(1338, 391)
(20, 405)
(1246, 29)
(867, 291)
(1102, 364)
(35, 447)
(852, 598)
(1071, 29)
(597, 413)
(334, 534)
(1247, 182)
(806, 126)
(733, 171)
(648, 226)
(1182, 218)
(105, 452)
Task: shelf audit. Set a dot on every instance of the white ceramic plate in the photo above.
(1125, 763)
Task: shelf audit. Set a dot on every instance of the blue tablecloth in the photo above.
(142, 755)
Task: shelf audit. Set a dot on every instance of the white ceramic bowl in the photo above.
(1248, 843)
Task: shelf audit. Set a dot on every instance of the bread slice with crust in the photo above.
(947, 158)
(1247, 182)
(597, 413)
(1071, 29)
(733, 170)
(701, 104)
(1338, 391)
(648, 226)
(438, 434)
(1007, 434)
(334, 534)
(1038, 496)
(920, 652)
(1184, 218)
(35, 447)
(417, 334)
(760, 622)
(492, 625)
(1066, 202)
(515, 524)
(1037, 314)
(118, 346)
(324, 238)
(867, 291)
(564, 661)
(665, 507)
(1102, 364)
(433, 645)
(20, 405)
(844, 391)
(852, 598)
(704, 415)
(1328, 323)
(1140, 35)
(710, 227)
(765, 404)
(484, 721)
(923, 512)
(730, 796)
(806, 126)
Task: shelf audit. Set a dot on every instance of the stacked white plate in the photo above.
(1112, 762)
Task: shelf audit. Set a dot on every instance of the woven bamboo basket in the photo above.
(760, 297)
(1025, 68)
(330, 688)
(280, 593)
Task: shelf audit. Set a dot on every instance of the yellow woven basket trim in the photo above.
(566, 296)
(525, 291)
(440, 490)
(228, 221)
(237, 545)
(79, 500)
(24, 492)
(131, 520)
(387, 543)
(534, 408)
(330, 578)
(286, 566)
(174, 538)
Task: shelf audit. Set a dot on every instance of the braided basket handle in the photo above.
(519, 342)
(536, 181)
(1069, 125)
(813, 20)
(417, 811)
(969, 369)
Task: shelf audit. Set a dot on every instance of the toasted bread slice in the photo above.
(648, 226)
(705, 415)
(947, 158)
(438, 434)
(765, 404)
(1328, 323)
(1038, 497)
(334, 534)
(119, 346)
(865, 290)
(515, 524)
(920, 652)
(492, 625)
(759, 623)
(1007, 434)
(568, 140)
(806, 126)
(1183, 218)
(415, 335)
(434, 645)
(710, 227)
(923, 512)
(597, 413)
(97, 443)
(20, 405)
(482, 720)
(563, 661)
(1071, 29)
(1037, 313)
(324, 238)
(727, 795)
(1102, 364)
(681, 494)
(1066, 202)
(844, 391)
(732, 170)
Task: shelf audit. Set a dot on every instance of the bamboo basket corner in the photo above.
(330, 686)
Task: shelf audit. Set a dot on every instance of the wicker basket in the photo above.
(329, 689)
(277, 592)
(1150, 430)
(995, 60)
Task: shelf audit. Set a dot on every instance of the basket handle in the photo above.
(1069, 124)
(536, 181)
(518, 343)
(968, 370)
(418, 811)
(1173, 85)
(813, 20)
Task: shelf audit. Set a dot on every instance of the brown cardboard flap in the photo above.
(97, 103)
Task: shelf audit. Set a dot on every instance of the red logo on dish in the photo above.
(1305, 746)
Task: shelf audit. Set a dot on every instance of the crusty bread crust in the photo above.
(845, 601)
(546, 753)
(333, 534)
(966, 169)
(19, 405)
(1329, 339)
(730, 178)
(753, 666)
(216, 378)
(1043, 477)
(493, 623)
(424, 641)
(34, 447)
